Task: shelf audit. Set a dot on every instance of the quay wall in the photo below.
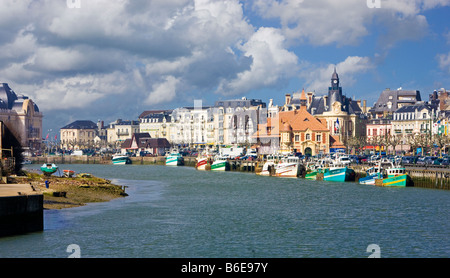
(427, 177)
(21, 214)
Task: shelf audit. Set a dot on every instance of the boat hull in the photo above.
(397, 181)
(287, 171)
(121, 161)
(49, 169)
(220, 166)
(201, 164)
(312, 175)
(174, 161)
(339, 174)
(268, 169)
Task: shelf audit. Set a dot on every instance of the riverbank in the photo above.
(64, 192)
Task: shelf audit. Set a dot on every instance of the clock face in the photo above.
(335, 81)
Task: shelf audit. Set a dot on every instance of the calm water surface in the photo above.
(184, 213)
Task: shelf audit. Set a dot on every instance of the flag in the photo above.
(56, 137)
(46, 138)
(336, 126)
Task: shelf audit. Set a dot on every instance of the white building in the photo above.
(193, 126)
(237, 120)
(417, 119)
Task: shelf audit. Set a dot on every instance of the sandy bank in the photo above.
(77, 191)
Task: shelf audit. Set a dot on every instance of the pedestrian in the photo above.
(47, 183)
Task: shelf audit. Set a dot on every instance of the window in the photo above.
(308, 136)
(318, 138)
(297, 138)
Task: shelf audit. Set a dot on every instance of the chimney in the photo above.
(288, 99)
(364, 106)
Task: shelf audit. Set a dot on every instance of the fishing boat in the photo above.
(202, 161)
(340, 174)
(288, 167)
(49, 168)
(269, 166)
(174, 159)
(395, 176)
(68, 173)
(372, 174)
(220, 164)
(120, 159)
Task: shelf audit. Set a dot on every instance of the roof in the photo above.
(84, 124)
(300, 120)
(336, 143)
(412, 108)
(145, 113)
(143, 140)
(408, 97)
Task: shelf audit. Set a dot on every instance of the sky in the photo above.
(113, 59)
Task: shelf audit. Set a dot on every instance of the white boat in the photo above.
(174, 159)
(269, 166)
(288, 167)
(220, 164)
(120, 159)
(202, 161)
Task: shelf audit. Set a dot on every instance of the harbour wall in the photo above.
(427, 177)
(20, 212)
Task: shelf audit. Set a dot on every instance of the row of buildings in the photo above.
(306, 123)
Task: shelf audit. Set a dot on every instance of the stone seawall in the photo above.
(20, 211)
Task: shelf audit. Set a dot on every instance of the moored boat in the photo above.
(269, 166)
(68, 173)
(395, 176)
(120, 159)
(288, 167)
(49, 168)
(339, 174)
(174, 159)
(220, 164)
(372, 174)
(202, 161)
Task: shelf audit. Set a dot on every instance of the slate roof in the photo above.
(85, 124)
(412, 108)
(393, 97)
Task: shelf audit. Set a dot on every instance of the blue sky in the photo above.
(104, 60)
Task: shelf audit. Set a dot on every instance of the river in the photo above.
(179, 212)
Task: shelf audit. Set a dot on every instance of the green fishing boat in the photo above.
(49, 168)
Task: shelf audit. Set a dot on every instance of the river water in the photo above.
(179, 212)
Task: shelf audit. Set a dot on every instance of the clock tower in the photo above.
(334, 92)
(335, 80)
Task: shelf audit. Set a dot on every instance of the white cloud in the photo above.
(318, 78)
(346, 22)
(444, 62)
(164, 91)
(272, 63)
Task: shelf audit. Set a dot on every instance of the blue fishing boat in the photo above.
(372, 174)
(340, 174)
(395, 176)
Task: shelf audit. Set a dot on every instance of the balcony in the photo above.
(122, 133)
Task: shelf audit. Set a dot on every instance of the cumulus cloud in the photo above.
(272, 63)
(346, 22)
(318, 77)
(164, 91)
